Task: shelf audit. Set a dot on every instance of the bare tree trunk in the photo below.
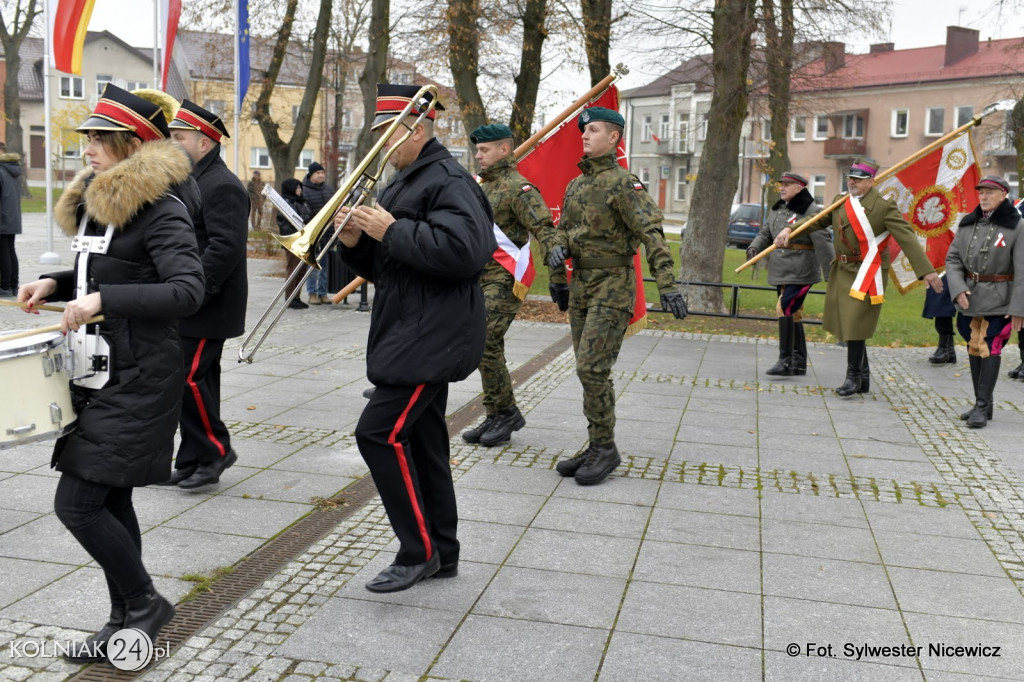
(1017, 124)
(779, 34)
(374, 70)
(528, 78)
(704, 248)
(285, 154)
(464, 60)
(597, 32)
(11, 38)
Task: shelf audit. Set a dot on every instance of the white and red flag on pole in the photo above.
(170, 13)
(933, 193)
(68, 21)
(552, 164)
(517, 260)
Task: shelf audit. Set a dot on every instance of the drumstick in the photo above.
(348, 289)
(43, 330)
(23, 306)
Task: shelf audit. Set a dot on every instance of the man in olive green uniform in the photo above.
(854, 295)
(519, 211)
(606, 215)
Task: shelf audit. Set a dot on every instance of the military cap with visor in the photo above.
(795, 178)
(392, 100)
(862, 169)
(120, 110)
(490, 133)
(993, 182)
(191, 116)
(600, 114)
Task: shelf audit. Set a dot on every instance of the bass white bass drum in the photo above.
(35, 401)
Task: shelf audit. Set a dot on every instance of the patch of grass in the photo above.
(37, 203)
(900, 325)
(203, 582)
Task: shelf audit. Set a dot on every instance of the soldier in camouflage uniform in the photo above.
(519, 211)
(606, 215)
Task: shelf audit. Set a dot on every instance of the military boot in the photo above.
(982, 412)
(501, 429)
(865, 373)
(975, 374)
(568, 467)
(1018, 371)
(945, 354)
(602, 460)
(783, 368)
(855, 357)
(799, 365)
(473, 435)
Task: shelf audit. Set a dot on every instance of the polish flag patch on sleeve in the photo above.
(527, 188)
(638, 186)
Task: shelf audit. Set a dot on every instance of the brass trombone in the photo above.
(352, 193)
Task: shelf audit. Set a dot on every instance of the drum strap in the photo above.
(90, 353)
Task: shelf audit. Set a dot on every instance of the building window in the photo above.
(664, 130)
(798, 130)
(818, 188)
(260, 158)
(681, 183)
(305, 158)
(820, 127)
(346, 118)
(684, 132)
(70, 87)
(702, 127)
(964, 114)
(900, 122)
(101, 83)
(645, 133)
(456, 126)
(254, 108)
(216, 106)
(645, 176)
(73, 152)
(136, 85)
(1014, 181)
(766, 129)
(853, 126)
(295, 115)
(935, 121)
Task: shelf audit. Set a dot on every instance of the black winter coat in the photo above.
(10, 194)
(427, 323)
(150, 277)
(315, 196)
(284, 226)
(222, 228)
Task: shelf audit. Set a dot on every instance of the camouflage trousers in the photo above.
(597, 334)
(502, 307)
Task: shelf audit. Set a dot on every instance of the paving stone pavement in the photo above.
(758, 528)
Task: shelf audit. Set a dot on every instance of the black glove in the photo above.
(558, 256)
(560, 295)
(751, 252)
(674, 303)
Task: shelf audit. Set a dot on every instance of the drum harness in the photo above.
(88, 354)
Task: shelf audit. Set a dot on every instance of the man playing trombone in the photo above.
(424, 246)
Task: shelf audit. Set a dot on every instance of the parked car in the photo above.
(744, 224)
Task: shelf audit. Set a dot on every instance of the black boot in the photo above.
(473, 435)
(602, 460)
(799, 367)
(982, 412)
(94, 649)
(569, 467)
(1018, 371)
(149, 613)
(865, 373)
(783, 368)
(855, 358)
(945, 354)
(975, 373)
(504, 424)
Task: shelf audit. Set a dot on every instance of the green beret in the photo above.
(490, 133)
(600, 114)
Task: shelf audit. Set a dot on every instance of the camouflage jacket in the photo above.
(519, 210)
(607, 212)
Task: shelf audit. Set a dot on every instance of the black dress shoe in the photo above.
(179, 475)
(396, 578)
(94, 649)
(206, 474)
(447, 570)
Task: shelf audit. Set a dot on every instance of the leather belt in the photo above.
(601, 262)
(801, 247)
(843, 258)
(975, 277)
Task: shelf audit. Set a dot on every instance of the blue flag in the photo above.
(243, 51)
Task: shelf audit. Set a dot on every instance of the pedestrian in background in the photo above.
(606, 215)
(794, 269)
(985, 268)
(291, 190)
(316, 193)
(10, 220)
(255, 190)
(939, 307)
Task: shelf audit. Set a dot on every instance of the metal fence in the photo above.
(734, 300)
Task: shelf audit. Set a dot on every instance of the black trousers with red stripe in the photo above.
(204, 438)
(403, 439)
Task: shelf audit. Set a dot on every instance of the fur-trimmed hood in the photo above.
(116, 196)
(1005, 216)
(10, 157)
(798, 204)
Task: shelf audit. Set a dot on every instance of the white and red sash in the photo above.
(517, 260)
(869, 281)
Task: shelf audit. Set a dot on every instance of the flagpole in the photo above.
(238, 105)
(1002, 105)
(50, 257)
(594, 92)
(156, 44)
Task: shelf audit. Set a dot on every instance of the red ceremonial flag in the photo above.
(552, 164)
(933, 194)
(170, 12)
(68, 21)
